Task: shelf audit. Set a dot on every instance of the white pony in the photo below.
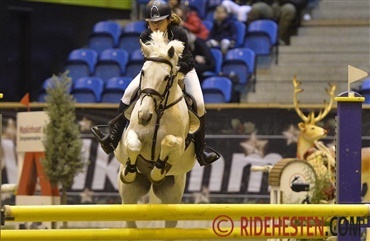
(154, 148)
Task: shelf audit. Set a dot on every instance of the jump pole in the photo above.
(348, 152)
(142, 212)
(147, 234)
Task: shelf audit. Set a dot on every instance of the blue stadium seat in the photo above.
(42, 93)
(213, 3)
(112, 62)
(114, 89)
(365, 90)
(88, 89)
(135, 27)
(241, 62)
(129, 42)
(105, 35)
(135, 63)
(366, 95)
(198, 5)
(208, 24)
(240, 27)
(217, 89)
(81, 62)
(210, 12)
(218, 57)
(137, 55)
(262, 37)
(45, 85)
(366, 84)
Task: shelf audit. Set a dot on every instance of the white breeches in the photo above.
(192, 86)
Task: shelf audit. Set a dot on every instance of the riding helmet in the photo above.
(157, 10)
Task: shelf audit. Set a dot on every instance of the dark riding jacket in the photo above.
(175, 32)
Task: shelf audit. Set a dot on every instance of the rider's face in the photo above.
(160, 25)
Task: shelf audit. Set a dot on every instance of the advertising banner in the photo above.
(30, 131)
(244, 137)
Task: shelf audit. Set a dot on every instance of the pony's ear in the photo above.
(171, 52)
(144, 48)
(178, 46)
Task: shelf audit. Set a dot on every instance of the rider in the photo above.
(160, 18)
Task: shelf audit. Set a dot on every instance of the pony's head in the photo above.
(158, 48)
(158, 74)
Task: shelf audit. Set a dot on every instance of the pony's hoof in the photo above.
(157, 176)
(127, 177)
(156, 182)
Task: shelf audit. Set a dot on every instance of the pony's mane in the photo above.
(159, 47)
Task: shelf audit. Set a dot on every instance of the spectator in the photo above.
(237, 8)
(191, 21)
(282, 11)
(288, 12)
(202, 55)
(262, 9)
(223, 33)
(174, 3)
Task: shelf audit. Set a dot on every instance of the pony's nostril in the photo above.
(145, 119)
(149, 118)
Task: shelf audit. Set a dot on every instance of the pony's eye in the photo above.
(142, 73)
(167, 77)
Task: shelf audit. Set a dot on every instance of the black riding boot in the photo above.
(110, 141)
(204, 157)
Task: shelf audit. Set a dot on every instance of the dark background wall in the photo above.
(36, 38)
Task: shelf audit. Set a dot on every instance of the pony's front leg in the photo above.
(172, 147)
(132, 145)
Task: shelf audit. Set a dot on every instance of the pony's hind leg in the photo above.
(133, 147)
(172, 147)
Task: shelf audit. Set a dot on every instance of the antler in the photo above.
(327, 107)
(296, 102)
(311, 116)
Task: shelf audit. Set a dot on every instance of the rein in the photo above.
(163, 104)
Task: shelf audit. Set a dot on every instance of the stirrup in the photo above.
(202, 160)
(209, 149)
(103, 139)
(96, 130)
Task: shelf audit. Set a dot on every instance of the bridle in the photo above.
(150, 92)
(163, 97)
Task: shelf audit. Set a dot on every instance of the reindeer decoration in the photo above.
(310, 133)
(314, 162)
(308, 146)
